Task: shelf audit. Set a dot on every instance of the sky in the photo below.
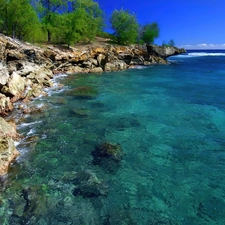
(192, 24)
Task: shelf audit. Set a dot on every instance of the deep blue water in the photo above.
(168, 119)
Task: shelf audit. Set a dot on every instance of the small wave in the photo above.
(201, 54)
(32, 131)
(28, 124)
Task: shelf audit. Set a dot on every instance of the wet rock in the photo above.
(88, 185)
(5, 105)
(15, 87)
(8, 151)
(115, 66)
(96, 70)
(4, 74)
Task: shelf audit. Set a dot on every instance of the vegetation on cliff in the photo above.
(69, 21)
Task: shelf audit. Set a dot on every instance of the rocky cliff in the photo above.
(164, 51)
(26, 69)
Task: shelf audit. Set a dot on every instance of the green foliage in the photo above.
(18, 19)
(149, 33)
(69, 21)
(125, 26)
(48, 10)
(82, 24)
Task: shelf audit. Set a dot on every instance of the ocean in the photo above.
(169, 121)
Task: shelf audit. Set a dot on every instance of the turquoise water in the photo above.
(169, 120)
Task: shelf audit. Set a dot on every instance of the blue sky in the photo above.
(190, 23)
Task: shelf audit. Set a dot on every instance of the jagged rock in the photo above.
(97, 51)
(115, 66)
(73, 69)
(164, 51)
(94, 62)
(4, 74)
(35, 91)
(101, 59)
(8, 151)
(5, 105)
(15, 87)
(41, 76)
(87, 64)
(12, 55)
(96, 70)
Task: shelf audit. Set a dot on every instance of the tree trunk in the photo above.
(49, 36)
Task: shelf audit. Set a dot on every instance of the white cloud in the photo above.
(203, 46)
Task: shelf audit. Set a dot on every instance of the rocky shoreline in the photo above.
(25, 70)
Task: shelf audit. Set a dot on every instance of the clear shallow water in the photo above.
(169, 121)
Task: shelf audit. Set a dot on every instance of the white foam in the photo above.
(201, 54)
(32, 131)
(29, 124)
(57, 87)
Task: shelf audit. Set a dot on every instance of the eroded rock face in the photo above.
(8, 151)
(164, 51)
(5, 105)
(4, 75)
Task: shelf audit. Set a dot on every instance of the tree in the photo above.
(47, 11)
(18, 18)
(125, 26)
(82, 24)
(149, 33)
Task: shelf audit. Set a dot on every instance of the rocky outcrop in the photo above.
(164, 51)
(8, 151)
(26, 69)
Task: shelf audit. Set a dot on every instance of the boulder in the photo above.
(5, 105)
(164, 51)
(101, 59)
(8, 151)
(96, 70)
(15, 87)
(41, 76)
(115, 66)
(4, 74)
(95, 51)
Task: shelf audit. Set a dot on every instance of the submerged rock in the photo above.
(108, 156)
(83, 92)
(79, 112)
(88, 185)
(109, 150)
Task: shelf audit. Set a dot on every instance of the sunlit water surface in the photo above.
(170, 122)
